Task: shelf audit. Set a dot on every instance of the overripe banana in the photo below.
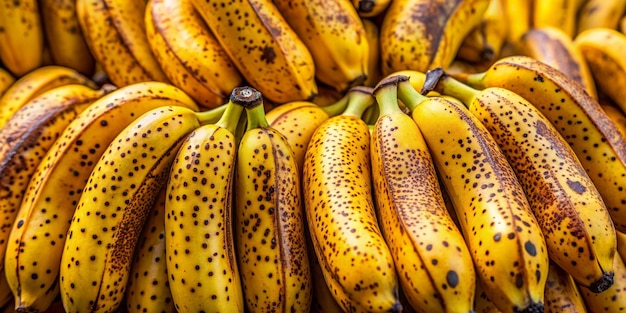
(370, 8)
(188, 52)
(614, 298)
(6, 80)
(355, 260)
(265, 49)
(560, 14)
(484, 42)
(562, 294)
(423, 34)
(115, 32)
(21, 36)
(34, 83)
(600, 13)
(64, 37)
(200, 250)
(578, 118)
(374, 67)
(489, 201)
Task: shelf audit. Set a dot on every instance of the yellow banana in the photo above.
(560, 14)
(621, 244)
(334, 34)
(6, 80)
(617, 116)
(64, 36)
(519, 15)
(148, 289)
(582, 239)
(503, 236)
(484, 42)
(482, 304)
(562, 294)
(200, 250)
(613, 299)
(434, 265)
(356, 263)
(265, 49)
(21, 36)
(116, 35)
(326, 95)
(33, 84)
(370, 8)
(374, 67)
(423, 34)
(578, 118)
(188, 52)
(600, 13)
(47, 207)
(322, 300)
(552, 46)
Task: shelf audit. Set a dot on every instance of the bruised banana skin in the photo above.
(111, 212)
(562, 294)
(22, 36)
(614, 298)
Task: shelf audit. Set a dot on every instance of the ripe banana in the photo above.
(434, 265)
(613, 299)
(489, 201)
(47, 207)
(600, 13)
(562, 294)
(33, 84)
(617, 116)
(114, 205)
(519, 14)
(484, 42)
(553, 47)
(374, 68)
(578, 118)
(200, 250)
(188, 52)
(148, 289)
(115, 32)
(263, 46)
(482, 304)
(334, 34)
(602, 49)
(64, 37)
(355, 260)
(21, 36)
(560, 14)
(423, 34)
(6, 80)
(370, 8)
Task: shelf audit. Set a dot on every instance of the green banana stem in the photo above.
(371, 114)
(213, 115)
(409, 96)
(230, 118)
(445, 84)
(386, 94)
(359, 99)
(256, 117)
(475, 80)
(337, 107)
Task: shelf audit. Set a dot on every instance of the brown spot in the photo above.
(269, 55)
(576, 186)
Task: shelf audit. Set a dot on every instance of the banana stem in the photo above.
(230, 117)
(475, 80)
(409, 96)
(337, 107)
(359, 99)
(438, 80)
(386, 94)
(213, 115)
(256, 117)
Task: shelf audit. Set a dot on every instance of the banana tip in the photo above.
(535, 307)
(602, 284)
(397, 308)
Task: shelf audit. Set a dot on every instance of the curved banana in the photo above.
(600, 13)
(370, 8)
(47, 207)
(374, 67)
(64, 37)
(614, 298)
(484, 42)
(578, 118)
(6, 80)
(617, 116)
(188, 52)
(334, 34)
(562, 294)
(22, 36)
(519, 14)
(554, 47)
(34, 83)
(148, 289)
(355, 260)
(559, 14)
(423, 34)
(434, 265)
(265, 49)
(489, 201)
(115, 32)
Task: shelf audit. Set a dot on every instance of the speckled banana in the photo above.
(47, 207)
(148, 289)
(116, 35)
(560, 14)
(582, 240)
(614, 298)
(482, 304)
(6, 296)
(554, 47)
(374, 67)
(578, 118)
(617, 116)
(188, 52)
(64, 37)
(488, 199)
(200, 250)
(114, 205)
(370, 8)
(355, 260)
(6, 80)
(434, 265)
(562, 294)
(265, 49)
(600, 13)
(484, 42)
(334, 34)
(22, 36)
(34, 83)
(423, 34)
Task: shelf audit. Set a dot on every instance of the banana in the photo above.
(21, 36)
(6, 80)
(326, 95)
(370, 8)
(582, 239)
(519, 14)
(578, 118)
(188, 52)
(356, 263)
(322, 299)
(64, 36)
(562, 294)
(265, 49)
(600, 48)
(613, 299)
(423, 34)
(148, 289)
(334, 34)
(484, 42)
(621, 243)
(6, 296)
(617, 116)
(56, 185)
(560, 14)
(600, 13)
(554, 47)
(488, 199)
(115, 32)
(374, 68)
(200, 250)
(34, 83)
(482, 304)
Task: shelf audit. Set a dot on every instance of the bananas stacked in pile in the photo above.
(420, 156)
